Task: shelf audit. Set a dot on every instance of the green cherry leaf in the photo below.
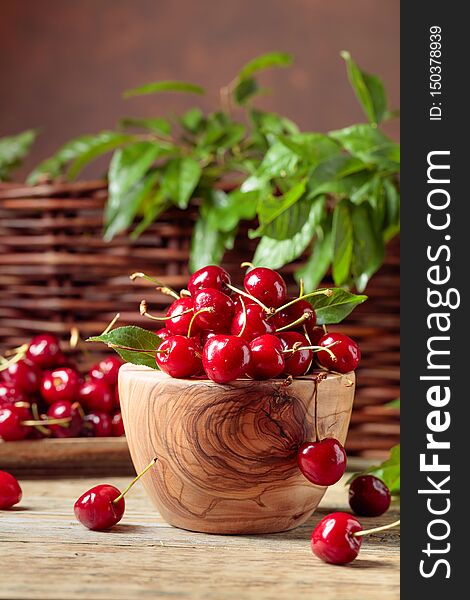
(139, 345)
(334, 308)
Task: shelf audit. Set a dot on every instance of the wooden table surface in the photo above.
(45, 553)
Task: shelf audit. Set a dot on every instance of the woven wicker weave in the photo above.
(57, 272)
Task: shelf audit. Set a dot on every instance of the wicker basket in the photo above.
(57, 272)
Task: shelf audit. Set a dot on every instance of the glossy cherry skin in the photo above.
(44, 351)
(322, 463)
(267, 286)
(97, 425)
(117, 425)
(179, 356)
(95, 508)
(179, 323)
(225, 358)
(10, 491)
(369, 496)
(296, 363)
(212, 276)
(333, 540)
(60, 384)
(9, 394)
(267, 360)
(63, 409)
(25, 375)
(107, 370)
(163, 333)
(95, 396)
(257, 323)
(345, 349)
(222, 306)
(11, 428)
(294, 312)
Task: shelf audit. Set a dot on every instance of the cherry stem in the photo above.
(134, 481)
(160, 286)
(327, 293)
(242, 330)
(301, 288)
(111, 324)
(202, 310)
(42, 422)
(242, 293)
(16, 358)
(41, 428)
(299, 321)
(298, 346)
(376, 529)
(144, 313)
(247, 264)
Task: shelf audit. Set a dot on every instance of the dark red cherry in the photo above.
(97, 425)
(179, 323)
(293, 313)
(107, 370)
(205, 336)
(299, 361)
(315, 334)
(11, 427)
(96, 508)
(345, 349)
(25, 375)
(333, 540)
(179, 356)
(257, 323)
(322, 463)
(117, 425)
(44, 351)
(117, 399)
(163, 333)
(9, 394)
(369, 496)
(60, 384)
(10, 490)
(209, 277)
(216, 308)
(63, 409)
(267, 360)
(267, 286)
(95, 396)
(225, 358)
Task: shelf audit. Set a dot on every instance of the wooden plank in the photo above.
(144, 557)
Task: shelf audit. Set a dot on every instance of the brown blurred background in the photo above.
(64, 63)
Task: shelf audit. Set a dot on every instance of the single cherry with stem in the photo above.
(95, 396)
(65, 410)
(338, 537)
(298, 354)
(179, 356)
(103, 506)
(344, 357)
(178, 316)
(266, 286)
(369, 496)
(267, 360)
(251, 323)
(10, 490)
(213, 308)
(211, 276)
(225, 358)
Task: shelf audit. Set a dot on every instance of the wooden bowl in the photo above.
(227, 453)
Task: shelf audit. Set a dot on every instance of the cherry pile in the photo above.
(215, 329)
(43, 395)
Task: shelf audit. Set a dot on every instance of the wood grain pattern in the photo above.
(227, 454)
(49, 555)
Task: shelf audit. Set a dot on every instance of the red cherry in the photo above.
(107, 370)
(10, 490)
(163, 333)
(257, 323)
(95, 396)
(117, 425)
(179, 323)
(322, 463)
(96, 510)
(97, 425)
(225, 358)
(25, 375)
(11, 428)
(294, 312)
(63, 409)
(267, 360)
(205, 336)
(345, 349)
(10, 394)
(369, 496)
(209, 277)
(220, 309)
(117, 399)
(333, 540)
(44, 351)
(314, 334)
(179, 356)
(60, 384)
(267, 286)
(298, 362)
